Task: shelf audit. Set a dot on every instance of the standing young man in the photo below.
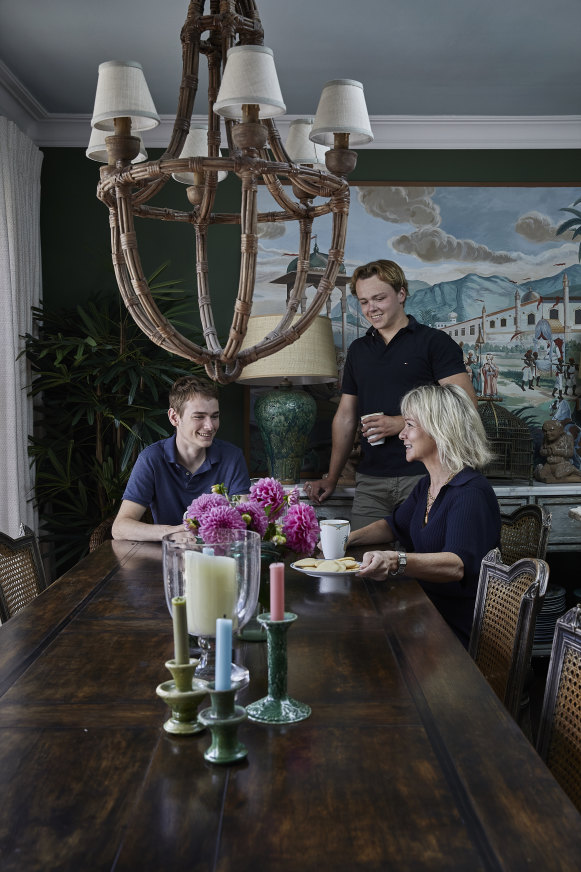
(396, 354)
(169, 474)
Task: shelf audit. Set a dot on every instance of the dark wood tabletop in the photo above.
(408, 761)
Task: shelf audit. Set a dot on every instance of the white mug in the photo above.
(334, 535)
(373, 441)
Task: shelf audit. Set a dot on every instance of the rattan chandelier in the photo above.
(243, 89)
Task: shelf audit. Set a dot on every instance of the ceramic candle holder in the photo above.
(223, 719)
(277, 707)
(183, 696)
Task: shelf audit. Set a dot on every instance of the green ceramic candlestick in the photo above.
(183, 696)
(277, 707)
(223, 719)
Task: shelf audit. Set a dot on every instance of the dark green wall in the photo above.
(75, 228)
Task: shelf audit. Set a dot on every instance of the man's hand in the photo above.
(379, 426)
(320, 490)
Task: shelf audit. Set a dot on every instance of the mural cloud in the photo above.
(537, 227)
(401, 205)
(432, 244)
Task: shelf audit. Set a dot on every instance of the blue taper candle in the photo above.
(222, 679)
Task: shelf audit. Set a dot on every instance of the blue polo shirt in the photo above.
(158, 479)
(465, 520)
(379, 375)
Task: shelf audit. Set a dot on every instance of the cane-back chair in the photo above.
(22, 575)
(524, 533)
(559, 739)
(507, 603)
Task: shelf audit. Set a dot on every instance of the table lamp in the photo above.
(285, 415)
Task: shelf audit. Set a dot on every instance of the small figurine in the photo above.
(558, 449)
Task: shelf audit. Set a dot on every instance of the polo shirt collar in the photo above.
(171, 454)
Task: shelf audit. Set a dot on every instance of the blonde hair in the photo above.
(388, 271)
(447, 414)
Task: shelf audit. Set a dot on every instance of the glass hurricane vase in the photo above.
(219, 579)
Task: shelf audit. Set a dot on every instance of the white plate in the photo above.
(312, 570)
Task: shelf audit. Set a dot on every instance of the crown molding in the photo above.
(49, 130)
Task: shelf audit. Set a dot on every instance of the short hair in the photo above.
(188, 386)
(447, 414)
(386, 270)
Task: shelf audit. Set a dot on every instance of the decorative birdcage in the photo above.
(510, 439)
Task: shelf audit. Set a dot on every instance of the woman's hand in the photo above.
(378, 564)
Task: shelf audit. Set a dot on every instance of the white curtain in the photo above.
(20, 285)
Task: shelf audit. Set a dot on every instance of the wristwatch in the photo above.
(402, 560)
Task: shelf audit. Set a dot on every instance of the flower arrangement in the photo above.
(278, 517)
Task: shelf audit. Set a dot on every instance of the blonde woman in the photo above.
(451, 519)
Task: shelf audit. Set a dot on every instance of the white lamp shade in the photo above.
(249, 78)
(97, 149)
(122, 92)
(196, 145)
(300, 148)
(309, 360)
(342, 109)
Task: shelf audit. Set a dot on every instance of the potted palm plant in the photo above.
(100, 388)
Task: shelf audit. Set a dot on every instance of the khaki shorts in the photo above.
(377, 497)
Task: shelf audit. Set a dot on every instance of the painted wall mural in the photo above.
(484, 264)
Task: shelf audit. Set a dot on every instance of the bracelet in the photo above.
(402, 560)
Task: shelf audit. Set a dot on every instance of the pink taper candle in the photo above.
(277, 591)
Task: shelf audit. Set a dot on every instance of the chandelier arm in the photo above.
(162, 334)
(303, 263)
(249, 251)
(270, 344)
(204, 297)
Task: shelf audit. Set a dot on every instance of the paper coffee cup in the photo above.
(334, 535)
(373, 441)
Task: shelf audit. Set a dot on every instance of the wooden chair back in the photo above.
(524, 533)
(559, 738)
(22, 575)
(507, 604)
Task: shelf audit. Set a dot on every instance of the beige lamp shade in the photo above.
(122, 92)
(309, 360)
(196, 145)
(342, 109)
(249, 78)
(97, 149)
(300, 148)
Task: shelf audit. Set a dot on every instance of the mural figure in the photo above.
(490, 377)
(558, 386)
(571, 377)
(473, 370)
(527, 373)
(558, 448)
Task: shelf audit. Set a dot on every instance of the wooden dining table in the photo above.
(407, 762)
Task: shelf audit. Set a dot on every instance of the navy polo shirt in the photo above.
(465, 520)
(158, 479)
(379, 375)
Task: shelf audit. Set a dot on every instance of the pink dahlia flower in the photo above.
(218, 520)
(269, 493)
(254, 516)
(198, 507)
(301, 528)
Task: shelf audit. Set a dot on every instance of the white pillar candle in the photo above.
(211, 591)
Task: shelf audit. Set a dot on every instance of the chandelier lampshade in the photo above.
(196, 145)
(243, 88)
(249, 79)
(342, 109)
(300, 147)
(122, 92)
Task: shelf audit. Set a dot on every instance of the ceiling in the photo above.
(419, 60)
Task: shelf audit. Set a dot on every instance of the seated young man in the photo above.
(169, 474)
